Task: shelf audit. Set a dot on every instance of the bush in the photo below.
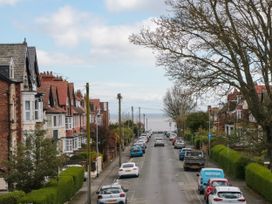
(48, 195)
(231, 161)
(59, 190)
(12, 197)
(259, 178)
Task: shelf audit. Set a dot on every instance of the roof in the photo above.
(228, 188)
(211, 169)
(33, 64)
(5, 60)
(260, 89)
(18, 52)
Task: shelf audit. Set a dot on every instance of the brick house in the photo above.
(19, 80)
(73, 112)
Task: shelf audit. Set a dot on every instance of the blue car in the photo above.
(136, 151)
(205, 174)
(182, 153)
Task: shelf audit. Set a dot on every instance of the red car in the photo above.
(212, 183)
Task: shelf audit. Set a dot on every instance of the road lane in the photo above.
(162, 179)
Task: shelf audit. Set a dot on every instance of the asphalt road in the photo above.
(162, 179)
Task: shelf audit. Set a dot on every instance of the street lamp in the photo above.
(209, 133)
(97, 150)
(119, 97)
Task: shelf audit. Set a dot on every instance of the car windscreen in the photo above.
(219, 183)
(194, 154)
(229, 195)
(128, 166)
(110, 190)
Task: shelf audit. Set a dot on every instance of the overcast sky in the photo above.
(87, 41)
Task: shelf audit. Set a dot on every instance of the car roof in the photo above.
(228, 188)
(128, 163)
(186, 148)
(218, 179)
(112, 185)
(211, 169)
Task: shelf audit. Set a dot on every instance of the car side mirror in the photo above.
(126, 190)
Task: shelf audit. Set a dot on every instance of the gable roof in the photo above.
(18, 52)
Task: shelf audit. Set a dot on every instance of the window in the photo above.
(69, 145)
(75, 143)
(68, 123)
(60, 120)
(49, 121)
(55, 135)
(27, 111)
(239, 114)
(36, 109)
(55, 121)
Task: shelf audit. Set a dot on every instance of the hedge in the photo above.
(12, 197)
(259, 178)
(59, 190)
(230, 160)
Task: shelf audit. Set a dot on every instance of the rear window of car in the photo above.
(219, 183)
(128, 165)
(194, 154)
(111, 190)
(229, 195)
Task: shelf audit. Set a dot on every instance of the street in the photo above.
(162, 179)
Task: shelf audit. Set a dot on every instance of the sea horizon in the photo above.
(155, 121)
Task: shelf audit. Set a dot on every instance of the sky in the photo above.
(87, 41)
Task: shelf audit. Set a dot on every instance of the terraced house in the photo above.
(65, 113)
(20, 104)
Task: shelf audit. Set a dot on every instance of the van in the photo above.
(205, 174)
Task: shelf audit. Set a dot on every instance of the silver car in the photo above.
(114, 193)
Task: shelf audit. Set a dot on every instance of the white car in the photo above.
(114, 193)
(226, 194)
(128, 169)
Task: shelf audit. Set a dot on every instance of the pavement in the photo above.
(106, 176)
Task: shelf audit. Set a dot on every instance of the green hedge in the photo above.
(230, 160)
(59, 190)
(259, 178)
(12, 197)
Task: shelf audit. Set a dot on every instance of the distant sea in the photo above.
(155, 121)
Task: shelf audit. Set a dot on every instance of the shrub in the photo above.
(59, 190)
(230, 160)
(259, 178)
(48, 195)
(11, 198)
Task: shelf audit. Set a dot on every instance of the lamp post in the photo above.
(88, 142)
(119, 97)
(209, 133)
(97, 150)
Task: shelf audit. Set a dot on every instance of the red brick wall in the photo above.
(4, 121)
(18, 113)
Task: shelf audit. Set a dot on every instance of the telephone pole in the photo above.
(132, 114)
(89, 200)
(144, 122)
(139, 132)
(119, 97)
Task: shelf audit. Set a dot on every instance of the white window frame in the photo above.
(68, 145)
(69, 123)
(37, 109)
(27, 110)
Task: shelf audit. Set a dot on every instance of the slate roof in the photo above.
(18, 52)
(33, 64)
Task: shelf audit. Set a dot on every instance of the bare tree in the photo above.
(213, 43)
(177, 103)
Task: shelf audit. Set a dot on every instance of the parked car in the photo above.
(136, 151)
(114, 193)
(194, 159)
(212, 183)
(172, 137)
(141, 144)
(182, 153)
(179, 144)
(159, 142)
(205, 174)
(128, 169)
(226, 194)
